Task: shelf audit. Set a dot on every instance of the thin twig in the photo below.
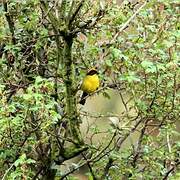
(106, 169)
(138, 149)
(168, 142)
(7, 171)
(171, 170)
(54, 5)
(73, 16)
(111, 86)
(10, 21)
(125, 25)
(94, 159)
(122, 139)
(89, 166)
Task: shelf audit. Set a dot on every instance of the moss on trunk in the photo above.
(70, 83)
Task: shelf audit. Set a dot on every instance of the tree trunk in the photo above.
(70, 83)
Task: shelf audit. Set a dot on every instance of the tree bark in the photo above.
(70, 83)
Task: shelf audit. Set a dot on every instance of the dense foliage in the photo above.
(46, 48)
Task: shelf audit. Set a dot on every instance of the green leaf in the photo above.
(27, 96)
(149, 66)
(130, 77)
(116, 53)
(30, 161)
(21, 160)
(38, 80)
(109, 62)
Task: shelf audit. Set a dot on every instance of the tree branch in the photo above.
(171, 170)
(10, 21)
(73, 16)
(89, 166)
(125, 25)
(106, 169)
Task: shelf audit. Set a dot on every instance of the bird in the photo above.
(89, 84)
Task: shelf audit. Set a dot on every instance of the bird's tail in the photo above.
(83, 98)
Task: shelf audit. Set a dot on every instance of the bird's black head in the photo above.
(92, 72)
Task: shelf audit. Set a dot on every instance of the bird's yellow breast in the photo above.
(90, 83)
